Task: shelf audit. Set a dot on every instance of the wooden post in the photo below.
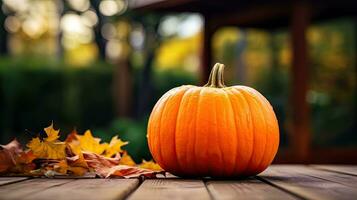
(300, 116)
(206, 57)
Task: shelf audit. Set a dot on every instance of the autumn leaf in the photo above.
(52, 134)
(150, 165)
(77, 165)
(125, 171)
(61, 167)
(50, 147)
(88, 143)
(72, 136)
(114, 146)
(97, 161)
(126, 160)
(14, 159)
(8, 153)
(79, 155)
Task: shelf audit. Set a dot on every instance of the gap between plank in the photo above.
(278, 187)
(209, 192)
(331, 170)
(20, 180)
(141, 180)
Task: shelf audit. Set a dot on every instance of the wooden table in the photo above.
(277, 182)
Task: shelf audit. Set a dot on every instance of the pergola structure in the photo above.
(297, 15)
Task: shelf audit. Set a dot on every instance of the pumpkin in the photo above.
(214, 130)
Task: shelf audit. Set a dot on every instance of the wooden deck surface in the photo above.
(277, 182)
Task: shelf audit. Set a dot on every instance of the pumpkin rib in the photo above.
(203, 139)
(245, 137)
(263, 104)
(159, 131)
(235, 131)
(150, 126)
(154, 118)
(182, 160)
(270, 130)
(178, 111)
(250, 116)
(171, 108)
(255, 167)
(219, 172)
(254, 96)
(190, 158)
(195, 139)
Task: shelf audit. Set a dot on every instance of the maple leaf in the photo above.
(127, 160)
(50, 147)
(52, 134)
(125, 171)
(7, 155)
(114, 146)
(14, 159)
(150, 165)
(88, 143)
(97, 161)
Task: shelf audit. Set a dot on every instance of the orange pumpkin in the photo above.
(213, 130)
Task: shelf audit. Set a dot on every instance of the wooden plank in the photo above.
(245, 189)
(305, 185)
(89, 189)
(22, 189)
(344, 179)
(8, 180)
(345, 169)
(171, 189)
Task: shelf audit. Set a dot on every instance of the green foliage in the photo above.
(34, 93)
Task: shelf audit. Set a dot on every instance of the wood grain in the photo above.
(104, 189)
(345, 169)
(171, 189)
(299, 181)
(344, 179)
(8, 180)
(245, 189)
(22, 189)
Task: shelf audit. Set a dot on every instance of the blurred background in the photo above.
(102, 65)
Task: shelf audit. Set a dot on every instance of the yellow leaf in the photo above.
(46, 149)
(52, 134)
(126, 160)
(114, 146)
(89, 143)
(150, 165)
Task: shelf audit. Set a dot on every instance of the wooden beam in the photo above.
(300, 113)
(261, 16)
(156, 4)
(206, 55)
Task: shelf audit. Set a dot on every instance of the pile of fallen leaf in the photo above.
(78, 155)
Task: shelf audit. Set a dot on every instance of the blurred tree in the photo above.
(3, 33)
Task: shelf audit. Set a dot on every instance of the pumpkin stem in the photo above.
(216, 79)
